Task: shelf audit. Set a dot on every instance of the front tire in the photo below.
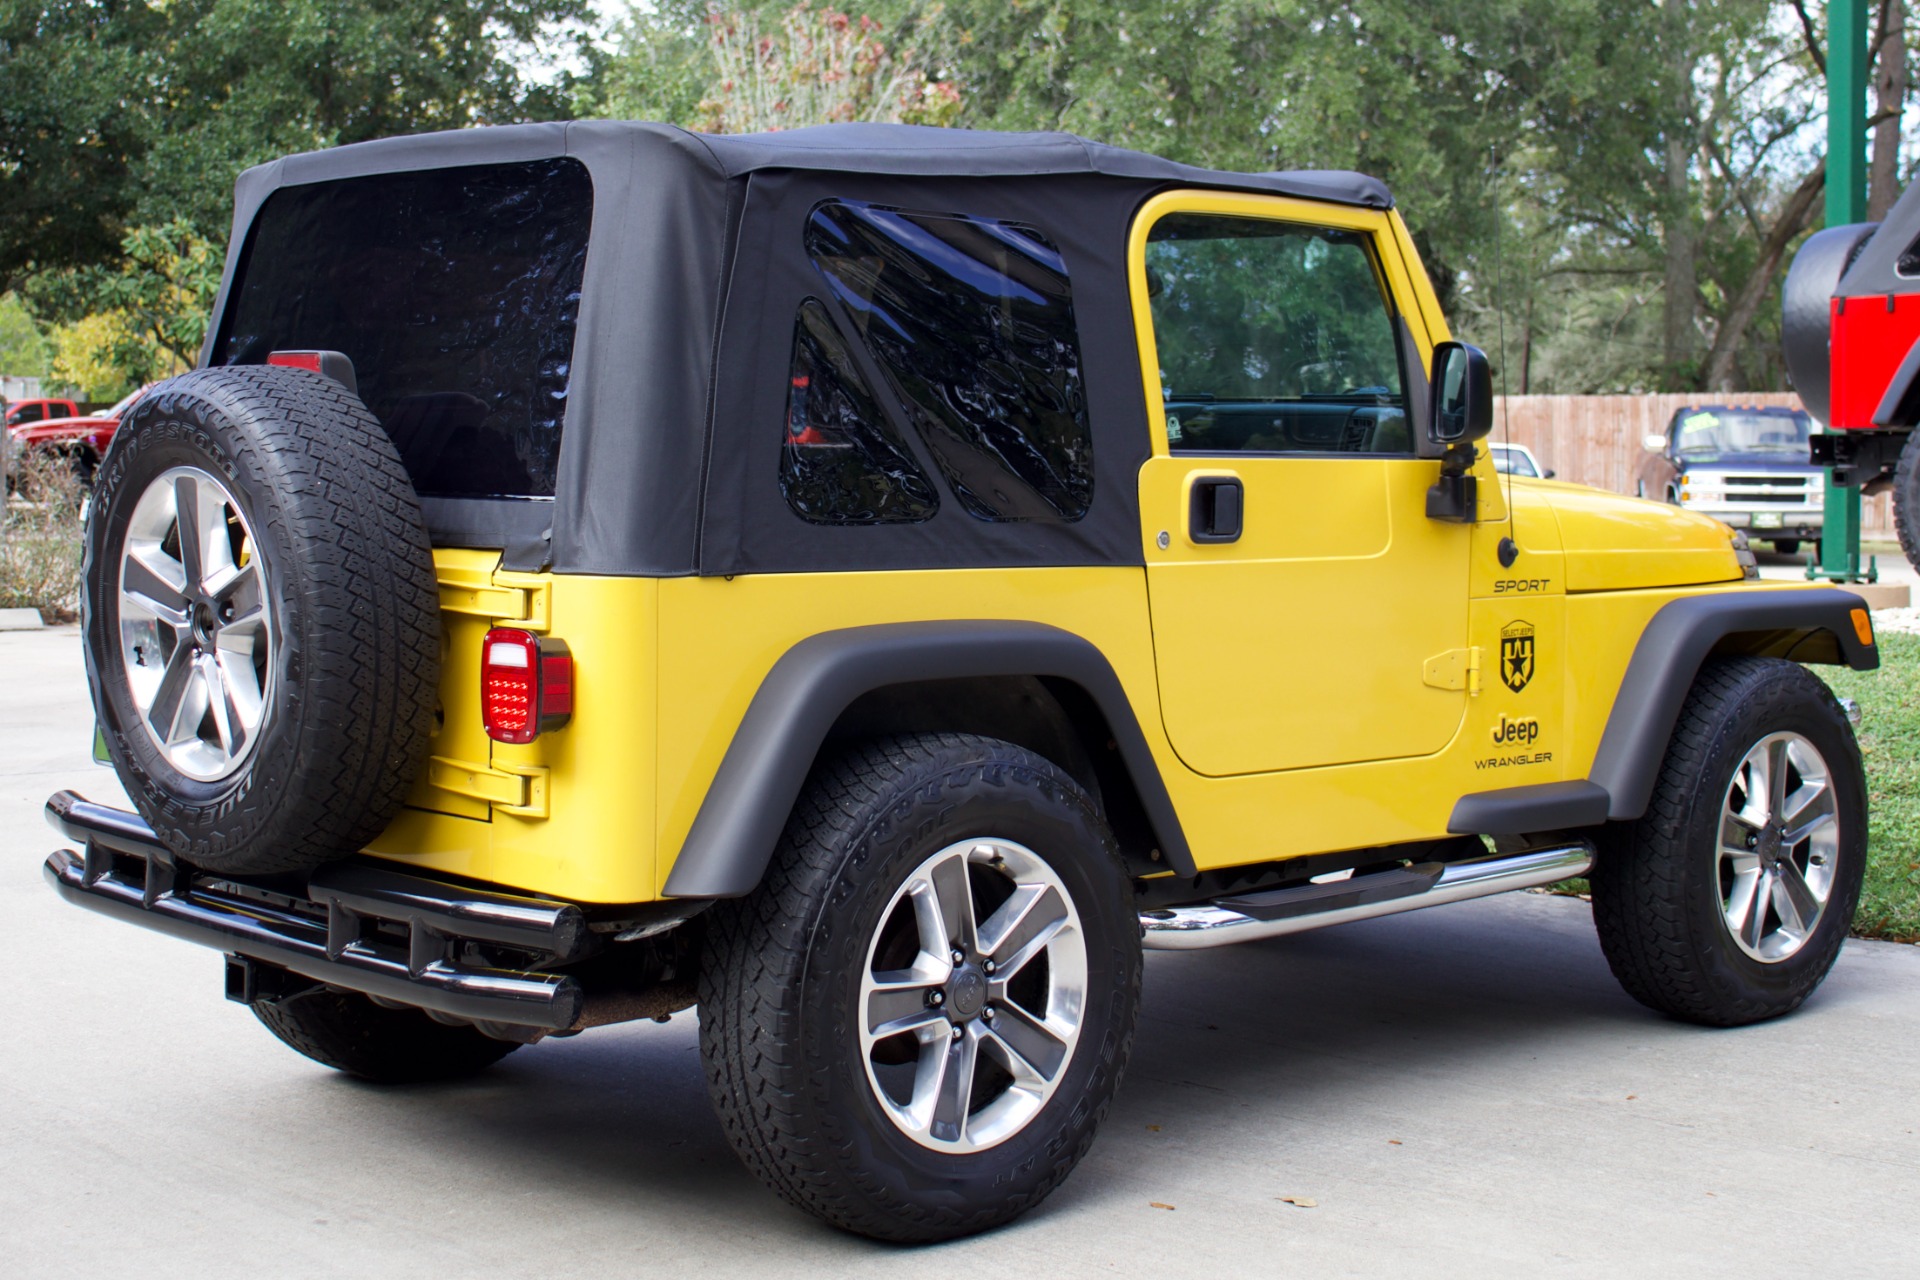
(1727, 902)
(913, 1026)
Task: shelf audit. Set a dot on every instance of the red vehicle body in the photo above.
(83, 438)
(23, 411)
(1851, 336)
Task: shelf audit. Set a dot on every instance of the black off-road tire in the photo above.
(1906, 498)
(1657, 892)
(779, 994)
(1786, 546)
(348, 1032)
(348, 574)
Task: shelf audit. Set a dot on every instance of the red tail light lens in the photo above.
(526, 684)
(328, 364)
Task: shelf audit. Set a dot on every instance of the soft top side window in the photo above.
(972, 322)
(1273, 337)
(842, 461)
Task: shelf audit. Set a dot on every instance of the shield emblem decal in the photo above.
(1516, 655)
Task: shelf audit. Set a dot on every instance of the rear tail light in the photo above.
(526, 684)
(328, 364)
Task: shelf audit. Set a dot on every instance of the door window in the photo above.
(1273, 337)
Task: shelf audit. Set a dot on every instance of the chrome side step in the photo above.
(1249, 917)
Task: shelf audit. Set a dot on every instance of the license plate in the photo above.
(1766, 519)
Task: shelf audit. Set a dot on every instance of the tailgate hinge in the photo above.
(475, 591)
(518, 789)
(1455, 669)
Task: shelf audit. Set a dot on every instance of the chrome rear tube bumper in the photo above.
(1272, 915)
(392, 936)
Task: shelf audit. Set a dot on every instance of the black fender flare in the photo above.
(1671, 650)
(746, 806)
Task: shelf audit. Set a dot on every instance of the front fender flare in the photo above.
(746, 806)
(1671, 650)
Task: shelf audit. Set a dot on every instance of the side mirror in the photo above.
(1549, 474)
(1654, 443)
(1462, 394)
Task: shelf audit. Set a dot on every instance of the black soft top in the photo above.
(693, 271)
(1877, 269)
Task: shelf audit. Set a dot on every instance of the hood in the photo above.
(1746, 462)
(1615, 543)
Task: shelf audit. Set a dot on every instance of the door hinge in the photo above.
(1455, 669)
(518, 789)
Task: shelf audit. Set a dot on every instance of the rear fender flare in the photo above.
(733, 836)
(1813, 625)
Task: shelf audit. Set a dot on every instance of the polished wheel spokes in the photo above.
(973, 995)
(1779, 846)
(196, 635)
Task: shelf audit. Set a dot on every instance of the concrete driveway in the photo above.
(1456, 1092)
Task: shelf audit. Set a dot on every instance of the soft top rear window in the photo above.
(454, 291)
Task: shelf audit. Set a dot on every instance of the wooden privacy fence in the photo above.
(1596, 439)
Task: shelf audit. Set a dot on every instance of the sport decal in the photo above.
(1516, 654)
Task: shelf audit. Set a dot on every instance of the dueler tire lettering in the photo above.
(335, 536)
(780, 1005)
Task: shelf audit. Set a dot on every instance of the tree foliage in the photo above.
(123, 124)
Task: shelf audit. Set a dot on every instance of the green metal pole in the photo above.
(1846, 202)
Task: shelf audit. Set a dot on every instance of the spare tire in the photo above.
(261, 618)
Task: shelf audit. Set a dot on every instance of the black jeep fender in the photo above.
(813, 683)
(1813, 626)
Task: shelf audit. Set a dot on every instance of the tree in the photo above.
(742, 70)
(124, 114)
(24, 352)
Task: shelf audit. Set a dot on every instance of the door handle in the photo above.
(1214, 509)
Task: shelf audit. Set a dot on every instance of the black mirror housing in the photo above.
(1461, 406)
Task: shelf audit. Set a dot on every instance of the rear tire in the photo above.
(1727, 902)
(348, 1032)
(1786, 546)
(873, 1082)
(1906, 498)
(266, 686)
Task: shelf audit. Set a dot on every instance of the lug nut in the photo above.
(936, 998)
(987, 1013)
(987, 966)
(957, 1032)
(959, 956)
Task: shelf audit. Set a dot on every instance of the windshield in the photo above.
(1707, 433)
(1513, 462)
(126, 402)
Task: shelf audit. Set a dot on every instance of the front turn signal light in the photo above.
(526, 684)
(1862, 625)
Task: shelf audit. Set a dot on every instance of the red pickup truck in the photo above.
(84, 439)
(21, 411)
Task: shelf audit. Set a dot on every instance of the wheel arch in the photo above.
(1046, 689)
(1809, 626)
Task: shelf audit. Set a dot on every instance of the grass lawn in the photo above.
(1890, 739)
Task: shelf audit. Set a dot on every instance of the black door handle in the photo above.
(1214, 509)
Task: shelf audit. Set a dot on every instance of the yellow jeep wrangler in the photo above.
(870, 583)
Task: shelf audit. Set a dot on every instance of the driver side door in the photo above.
(1306, 612)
